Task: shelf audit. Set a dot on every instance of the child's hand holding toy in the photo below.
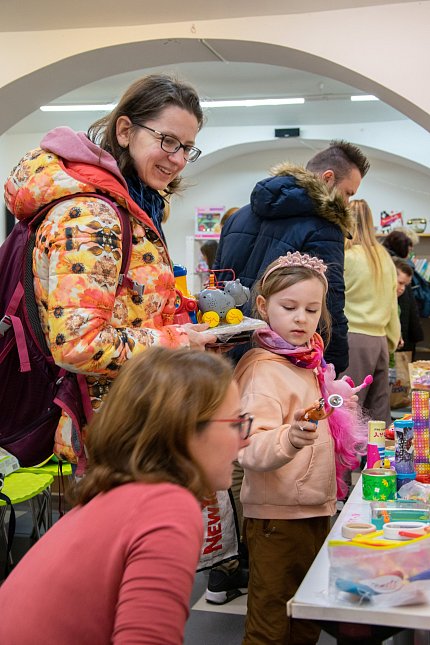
(302, 433)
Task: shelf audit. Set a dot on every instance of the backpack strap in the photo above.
(10, 320)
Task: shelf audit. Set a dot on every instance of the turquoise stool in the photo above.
(25, 485)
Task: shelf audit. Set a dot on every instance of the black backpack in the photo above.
(33, 389)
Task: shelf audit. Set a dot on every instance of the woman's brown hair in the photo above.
(159, 400)
(285, 277)
(145, 99)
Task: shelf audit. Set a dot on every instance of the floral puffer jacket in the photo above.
(90, 328)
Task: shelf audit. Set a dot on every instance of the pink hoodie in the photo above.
(282, 482)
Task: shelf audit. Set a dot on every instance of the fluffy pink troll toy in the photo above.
(349, 383)
(348, 425)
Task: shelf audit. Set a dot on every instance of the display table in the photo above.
(312, 598)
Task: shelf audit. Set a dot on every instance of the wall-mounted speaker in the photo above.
(285, 133)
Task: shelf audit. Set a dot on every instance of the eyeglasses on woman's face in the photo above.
(243, 423)
(172, 144)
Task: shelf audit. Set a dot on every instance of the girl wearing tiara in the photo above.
(289, 487)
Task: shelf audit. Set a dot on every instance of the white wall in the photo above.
(388, 186)
(382, 50)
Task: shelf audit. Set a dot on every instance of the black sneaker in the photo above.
(224, 587)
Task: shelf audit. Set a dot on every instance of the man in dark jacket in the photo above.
(298, 209)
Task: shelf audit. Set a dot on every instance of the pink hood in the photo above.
(42, 177)
(75, 146)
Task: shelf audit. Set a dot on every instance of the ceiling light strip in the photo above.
(364, 97)
(107, 107)
(104, 107)
(251, 102)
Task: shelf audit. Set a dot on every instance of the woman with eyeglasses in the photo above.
(119, 567)
(130, 159)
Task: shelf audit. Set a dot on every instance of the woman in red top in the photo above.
(119, 567)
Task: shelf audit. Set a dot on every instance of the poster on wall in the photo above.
(390, 221)
(208, 221)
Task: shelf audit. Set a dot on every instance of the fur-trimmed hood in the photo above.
(293, 191)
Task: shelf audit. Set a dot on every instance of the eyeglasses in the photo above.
(243, 424)
(172, 144)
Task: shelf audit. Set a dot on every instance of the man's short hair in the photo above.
(340, 157)
(403, 266)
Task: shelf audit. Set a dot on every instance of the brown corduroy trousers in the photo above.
(280, 554)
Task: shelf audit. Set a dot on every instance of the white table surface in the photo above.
(312, 599)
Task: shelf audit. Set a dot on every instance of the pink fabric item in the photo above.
(118, 570)
(75, 146)
(309, 356)
(348, 424)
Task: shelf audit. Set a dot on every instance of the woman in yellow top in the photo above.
(372, 312)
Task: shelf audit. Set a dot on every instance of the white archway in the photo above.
(293, 41)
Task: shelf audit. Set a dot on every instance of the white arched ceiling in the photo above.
(381, 50)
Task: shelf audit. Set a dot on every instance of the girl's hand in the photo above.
(302, 433)
(196, 338)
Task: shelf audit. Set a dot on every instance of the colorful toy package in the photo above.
(382, 575)
(419, 373)
(399, 510)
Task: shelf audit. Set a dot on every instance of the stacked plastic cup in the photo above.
(420, 417)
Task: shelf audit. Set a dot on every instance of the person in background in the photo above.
(398, 243)
(208, 252)
(412, 332)
(228, 213)
(119, 567)
(289, 487)
(131, 156)
(298, 209)
(371, 310)
(411, 328)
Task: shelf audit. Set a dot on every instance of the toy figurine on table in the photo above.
(185, 303)
(318, 410)
(218, 306)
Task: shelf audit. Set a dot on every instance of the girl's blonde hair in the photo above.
(286, 276)
(364, 235)
(159, 400)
